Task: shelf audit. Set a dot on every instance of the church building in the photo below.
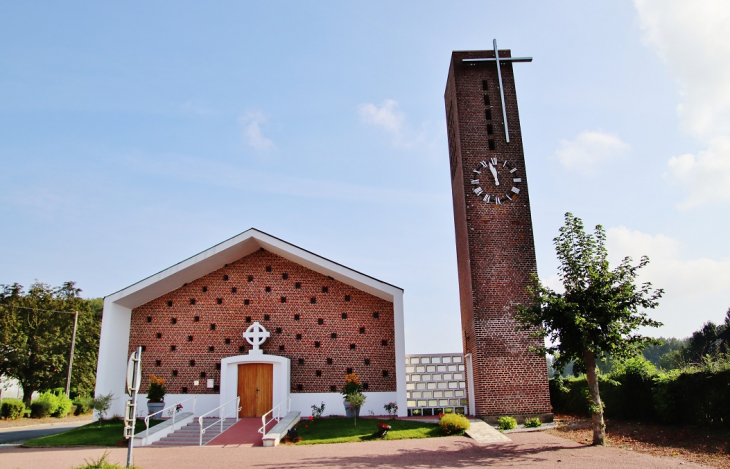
(316, 321)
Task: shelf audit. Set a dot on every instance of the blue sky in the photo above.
(135, 135)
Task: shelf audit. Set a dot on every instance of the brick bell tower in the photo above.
(494, 241)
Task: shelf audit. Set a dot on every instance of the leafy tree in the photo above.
(35, 338)
(597, 315)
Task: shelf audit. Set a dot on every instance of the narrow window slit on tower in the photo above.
(486, 100)
(490, 129)
(485, 85)
(488, 114)
(491, 144)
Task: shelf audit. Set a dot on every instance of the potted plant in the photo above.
(350, 391)
(155, 395)
(355, 401)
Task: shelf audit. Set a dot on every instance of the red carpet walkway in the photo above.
(244, 433)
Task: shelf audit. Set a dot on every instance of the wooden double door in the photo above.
(255, 388)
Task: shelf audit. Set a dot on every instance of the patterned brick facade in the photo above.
(325, 327)
(495, 246)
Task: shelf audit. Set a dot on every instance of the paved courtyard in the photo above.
(525, 450)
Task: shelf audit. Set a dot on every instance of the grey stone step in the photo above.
(190, 434)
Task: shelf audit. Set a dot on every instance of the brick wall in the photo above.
(495, 246)
(323, 326)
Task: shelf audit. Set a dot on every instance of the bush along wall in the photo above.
(635, 390)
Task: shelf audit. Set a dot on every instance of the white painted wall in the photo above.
(400, 355)
(333, 403)
(111, 371)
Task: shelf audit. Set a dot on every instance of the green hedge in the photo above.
(635, 390)
(12, 408)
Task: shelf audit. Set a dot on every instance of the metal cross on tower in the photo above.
(499, 59)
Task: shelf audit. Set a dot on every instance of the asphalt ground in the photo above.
(525, 450)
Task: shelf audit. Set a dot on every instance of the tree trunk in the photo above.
(599, 428)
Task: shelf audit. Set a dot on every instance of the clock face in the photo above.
(496, 182)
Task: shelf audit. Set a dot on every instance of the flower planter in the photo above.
(153, 407)
(350, 411)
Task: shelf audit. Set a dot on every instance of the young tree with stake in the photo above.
(597, 315)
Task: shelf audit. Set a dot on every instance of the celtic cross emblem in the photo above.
(256, 335)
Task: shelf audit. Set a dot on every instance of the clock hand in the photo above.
(494, 173)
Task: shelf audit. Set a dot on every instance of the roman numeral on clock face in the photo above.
(494, 161)
(513, 170)
(517, 180)
(478, 191)
(515, 190)
(476, 171)
(484, 164)
(498, 200)
(487, 198)
(475, 182)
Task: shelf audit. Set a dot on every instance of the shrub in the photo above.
(40, 409)
(50, 398)
(533, 423)
(12, 408)
(64, 406)
(454, 424)
(101, 404)
(84, 405)
(506, 423)
(628, 392)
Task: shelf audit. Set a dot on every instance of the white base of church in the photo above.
(301, 402)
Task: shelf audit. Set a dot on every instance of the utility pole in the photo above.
(71, 355)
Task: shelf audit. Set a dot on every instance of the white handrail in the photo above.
(276, 408)
(174, 413)
(221, 418)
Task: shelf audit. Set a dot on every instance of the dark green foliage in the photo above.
(699, 397)
(84, 405)
(628, 392)
(35, 342)
(635, 391)
(40, 409)
(570, 395)
(12, 409)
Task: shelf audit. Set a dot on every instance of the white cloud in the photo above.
(696, 290)
(589, 148)
(706, 176)
(693, 41)
(252, 135)
(389, 118)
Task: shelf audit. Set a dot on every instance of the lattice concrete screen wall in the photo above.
(435, 384)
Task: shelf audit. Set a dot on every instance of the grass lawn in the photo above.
(343, 430)
(108, 434)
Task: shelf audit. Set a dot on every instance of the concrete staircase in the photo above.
(190, 434)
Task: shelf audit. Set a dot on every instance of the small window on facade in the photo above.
(385, 373)
(173, 320)
(353, 346)
(219, 301)
(184, 390)
(159, 335)
(329, 361)
(347, 297)
(297, 285)
(301, 361)
(268, 289)
(333, 335)
(196, 319)
(169, 303)
(211, 349)
(174, 372)
(234, 290)
(320, 321)
(313, 300)
(246, 302)
(281, 348)
(149, 318)
(225, 278)
(190, 338)
(278, 330)
(299, 336)
(267, 317)
(248, 318)
(192, 301)
(349, 371)
(376, 315)
(344, 315)
(228, 341)
(172, 348)
(318, 373)
(296, 317)
(250, 278)
(158, 362)
(384, 343)
(205, 289)
(367, 361)
(268, 268)
(284, 276)
(325, 289)
(212, 327)
(300, 387)
(192, 362)
(316, 345)
(362, 330)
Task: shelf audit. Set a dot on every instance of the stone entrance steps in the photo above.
(190, 434)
